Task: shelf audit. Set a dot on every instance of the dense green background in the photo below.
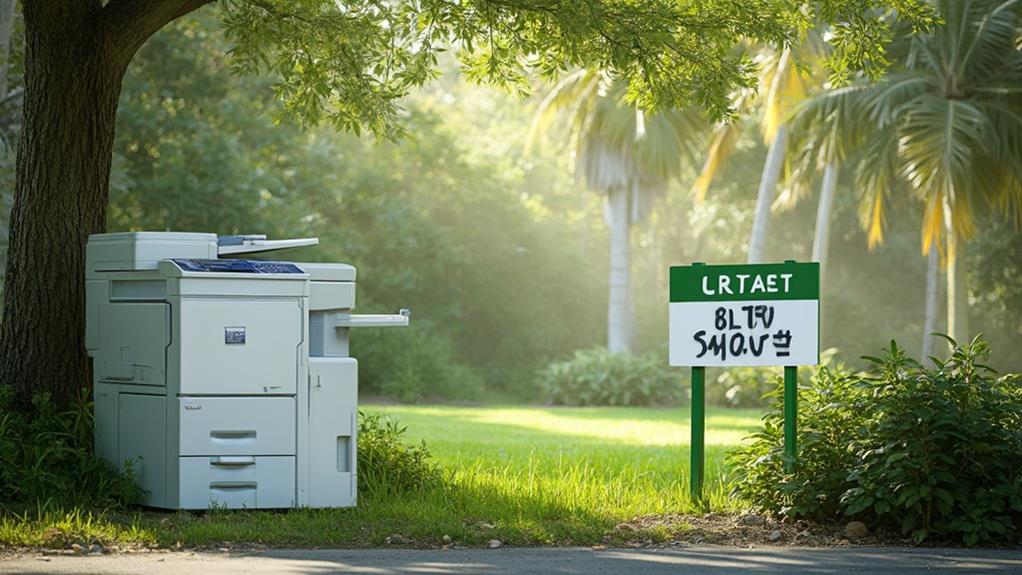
(501, 255)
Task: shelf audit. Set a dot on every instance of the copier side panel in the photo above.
(132, 343)
(105, 417)
(332, 432)
(142, 441)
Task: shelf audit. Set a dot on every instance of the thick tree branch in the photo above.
(127, 24)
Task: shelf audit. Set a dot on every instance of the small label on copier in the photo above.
(234, 335)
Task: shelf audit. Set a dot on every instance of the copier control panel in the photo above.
(237, 266)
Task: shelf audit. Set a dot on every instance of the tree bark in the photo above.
(765, 197)
(932, 295)
(60, 196)
(76, 53)
(619, 297)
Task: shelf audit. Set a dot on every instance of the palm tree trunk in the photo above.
(821, 239)
(957, 290)
(932, 295)
(619, 310)
(765, 196)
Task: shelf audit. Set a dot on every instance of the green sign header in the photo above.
(787, 281)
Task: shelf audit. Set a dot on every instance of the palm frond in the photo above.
(876, 176)
(991, 39)
(722, 144)
(944, 144)
(570, 94)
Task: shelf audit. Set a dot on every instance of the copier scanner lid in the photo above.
(256, 243)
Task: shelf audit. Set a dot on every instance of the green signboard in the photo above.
(744, 315)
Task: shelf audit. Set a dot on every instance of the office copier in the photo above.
(223, 381)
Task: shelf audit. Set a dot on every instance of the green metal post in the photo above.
(698, 446)
(698, 431)
(790, 414)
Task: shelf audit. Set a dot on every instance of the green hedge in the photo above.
(598, 377)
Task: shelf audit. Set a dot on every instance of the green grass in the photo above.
(525, 475)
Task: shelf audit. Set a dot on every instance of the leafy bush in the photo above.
(598, 377)
(934, 452)
(751, 386)
(412, 364)
(741, 387)
(386, 464)
(47, 456)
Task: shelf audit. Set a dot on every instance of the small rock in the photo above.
(79, 548)
(446, 539)
(752, 519)
(494, 543)
(96, 549)
(856, 530)
(396, 539)
(774, 535)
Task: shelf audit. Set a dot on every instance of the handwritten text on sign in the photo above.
(750, 315)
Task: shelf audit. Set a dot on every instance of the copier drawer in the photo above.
(237, 425)
(237, 482)
(239, 347)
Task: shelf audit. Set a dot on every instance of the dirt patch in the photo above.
(741, 530)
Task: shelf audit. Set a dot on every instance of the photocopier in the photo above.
(221, 381)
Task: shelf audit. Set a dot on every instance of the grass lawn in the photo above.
(525, 475)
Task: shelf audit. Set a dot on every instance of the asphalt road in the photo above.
(582, 561)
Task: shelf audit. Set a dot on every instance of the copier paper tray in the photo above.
(371, 320)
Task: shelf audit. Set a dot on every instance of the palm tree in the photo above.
(947, 123)
(626, 155)
(782, 90)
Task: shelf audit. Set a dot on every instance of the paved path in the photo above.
(582, 561)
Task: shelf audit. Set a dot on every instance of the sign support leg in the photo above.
(698, 427)
(790, 415)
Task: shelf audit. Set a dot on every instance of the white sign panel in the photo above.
(749, 315)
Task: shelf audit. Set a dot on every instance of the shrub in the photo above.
(741, 387)
(386, 464)
(598, 377)
(750, 386)
(936, 453)
(413, 363)
(47, 456)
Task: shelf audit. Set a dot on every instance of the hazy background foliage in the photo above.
(501, 255)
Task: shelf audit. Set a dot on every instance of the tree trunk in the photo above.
(957, 290)
(60, 196)
(765, 196)
(821, 239)
(932, 295)
(619, 311)
(76, 53)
